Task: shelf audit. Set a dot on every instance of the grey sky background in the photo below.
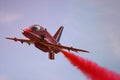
(89, 24)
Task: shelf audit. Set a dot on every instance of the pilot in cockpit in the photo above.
(37, 27)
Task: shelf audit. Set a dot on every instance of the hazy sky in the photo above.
(89, 24)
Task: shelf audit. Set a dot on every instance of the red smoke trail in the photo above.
(91, 69)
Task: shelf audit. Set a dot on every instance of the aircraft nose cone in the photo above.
(26, 30)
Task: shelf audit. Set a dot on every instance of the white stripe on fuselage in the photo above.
(39, 37)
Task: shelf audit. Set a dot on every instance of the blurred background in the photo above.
(88, 24)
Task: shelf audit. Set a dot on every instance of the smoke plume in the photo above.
(91, 69)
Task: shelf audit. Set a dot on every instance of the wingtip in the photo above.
(11, 38)
(86, 51)
(7, 38)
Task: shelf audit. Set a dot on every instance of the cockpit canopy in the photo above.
(37, 27)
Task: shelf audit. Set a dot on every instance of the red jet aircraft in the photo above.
(42, 40)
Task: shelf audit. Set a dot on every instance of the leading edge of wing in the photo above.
(21, 40)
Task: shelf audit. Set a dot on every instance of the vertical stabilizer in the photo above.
(58, 34)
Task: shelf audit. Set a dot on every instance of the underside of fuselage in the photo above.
(45, 48)
(39, 36)
(38, 39)
(51, 51)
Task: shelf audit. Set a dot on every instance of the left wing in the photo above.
(21, 40)
(65, 47)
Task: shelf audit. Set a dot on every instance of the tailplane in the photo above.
(58, 34)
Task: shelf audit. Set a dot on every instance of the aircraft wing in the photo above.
(65, 47)
(21, 40)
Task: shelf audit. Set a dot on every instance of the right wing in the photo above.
(21, 40)
(64, 47)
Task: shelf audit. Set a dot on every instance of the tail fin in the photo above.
(58, 34)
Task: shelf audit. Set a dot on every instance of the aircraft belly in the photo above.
(42, 47)
(46, 48)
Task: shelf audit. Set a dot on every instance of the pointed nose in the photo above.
(26, 30)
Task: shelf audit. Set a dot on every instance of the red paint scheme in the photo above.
(42, 40)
